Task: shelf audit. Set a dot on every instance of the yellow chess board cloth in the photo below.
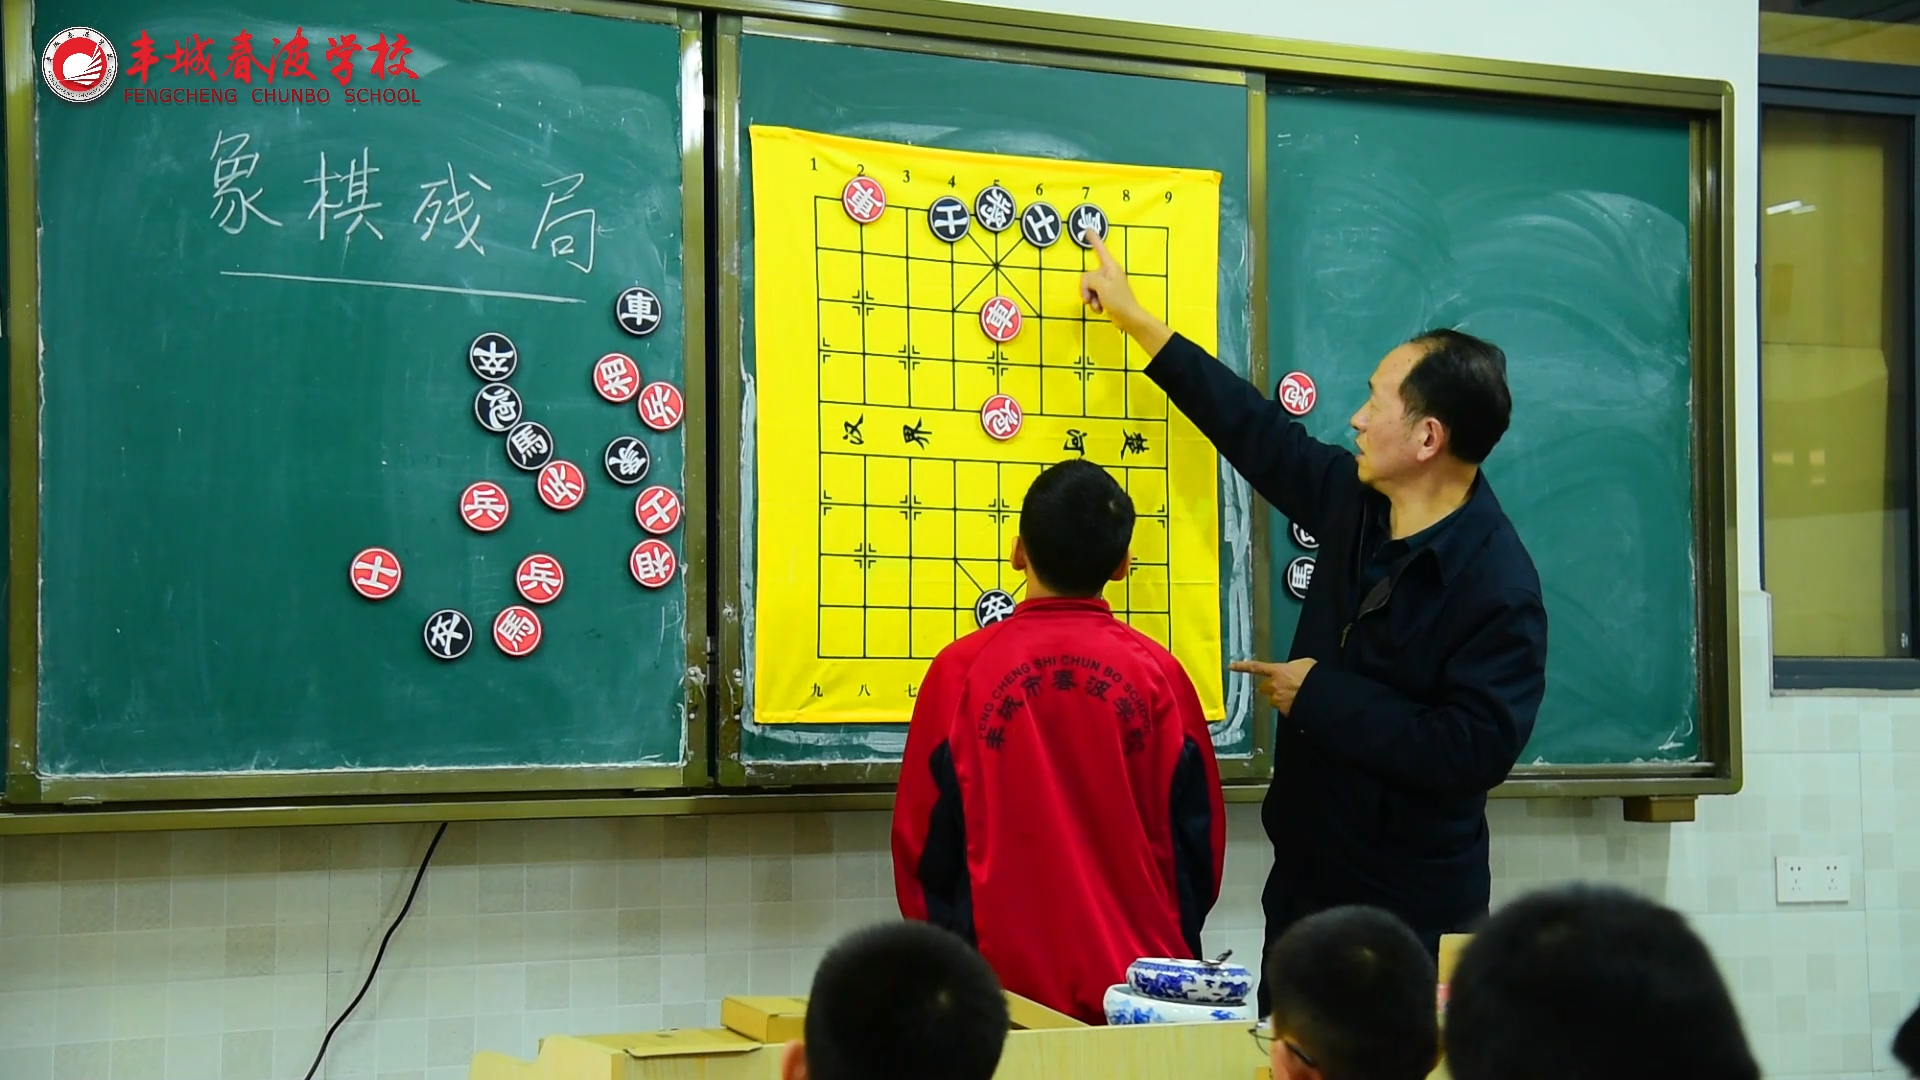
(885, 510)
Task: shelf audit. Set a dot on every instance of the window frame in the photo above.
(1884, 90)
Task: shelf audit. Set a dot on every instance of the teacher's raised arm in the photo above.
(1419, 662)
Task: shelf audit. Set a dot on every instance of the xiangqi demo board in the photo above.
(923, 353)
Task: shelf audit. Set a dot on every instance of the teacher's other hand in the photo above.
(1280, 682)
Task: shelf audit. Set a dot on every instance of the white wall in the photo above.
(221, 956)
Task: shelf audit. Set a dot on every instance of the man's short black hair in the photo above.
(1461, 382)
(1589, 982)
(1356, 989)
(904, 999)
(1076, 523)
(1906, 1044)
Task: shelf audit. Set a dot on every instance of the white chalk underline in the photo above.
(406, 285)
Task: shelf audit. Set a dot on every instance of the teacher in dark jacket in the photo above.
(1420, 658)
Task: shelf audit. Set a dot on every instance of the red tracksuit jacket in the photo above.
(1059, 802)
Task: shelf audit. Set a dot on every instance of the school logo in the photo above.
(79, 65)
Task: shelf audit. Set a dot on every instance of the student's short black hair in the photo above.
(904, 999)
(1906, 1044)
(1356, 990)
(1589, 982)
(1461, 382)
(1076, 523)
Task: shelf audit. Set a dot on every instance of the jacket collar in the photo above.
(1063, 603)
(1465, 531)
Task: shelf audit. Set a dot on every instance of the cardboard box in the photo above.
(776, 1020)
(1045, 1045)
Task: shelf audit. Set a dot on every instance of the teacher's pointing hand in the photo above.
(1280, 682)
(1104, 288)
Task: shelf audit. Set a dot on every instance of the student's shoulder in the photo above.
(1148, 651)
(960, 654)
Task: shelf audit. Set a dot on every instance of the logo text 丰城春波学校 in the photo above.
(265, 70)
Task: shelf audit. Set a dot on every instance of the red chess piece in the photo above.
(375, 573)
(1000, 319)
(865, 200)
(1001, 416)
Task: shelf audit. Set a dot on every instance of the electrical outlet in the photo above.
(1808, 879)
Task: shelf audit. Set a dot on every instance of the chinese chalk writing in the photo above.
(228, 171)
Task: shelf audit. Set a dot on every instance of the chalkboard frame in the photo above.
(1709, 105)
(734, 768)
(26, 785)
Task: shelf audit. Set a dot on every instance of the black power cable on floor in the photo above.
(419, 876)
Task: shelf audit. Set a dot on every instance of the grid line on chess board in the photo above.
(921, 604)
(927, 593)
(984, 274)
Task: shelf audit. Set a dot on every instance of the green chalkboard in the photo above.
(1561, 235)
(247, 382)
(996, 106)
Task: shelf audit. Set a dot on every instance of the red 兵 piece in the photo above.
(540, 578)
(617, 377)
(1001, 416)
(517, 631)
(376, 573)
(1000, 319)
(657, 510)
(661, 406)
(562, 485)
(484, 506)
(1297, 393)
(652, 563)
(864, 199)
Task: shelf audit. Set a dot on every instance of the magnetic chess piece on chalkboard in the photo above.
(375, 573)
(616, 378)
(1299, 577)
(529, 446)
(637, 311)
(539, 578)
(497, 407)
(517, 631)
(626, 460)
(484, 506)
(448, 634)
(493, 357)
(562, 485)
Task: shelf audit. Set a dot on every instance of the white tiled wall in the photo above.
(224, 955)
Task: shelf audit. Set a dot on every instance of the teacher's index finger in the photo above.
(1253, 667)
(1107, 261)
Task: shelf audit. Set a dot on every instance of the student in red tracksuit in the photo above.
(1059, 801)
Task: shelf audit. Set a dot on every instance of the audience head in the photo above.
(1591, 983)
(1906, 1044)
(1075, 528)
(903, 999)
(1353, 993)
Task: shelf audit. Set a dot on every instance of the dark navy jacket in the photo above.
(1423, 692)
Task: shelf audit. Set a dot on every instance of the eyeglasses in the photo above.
(1265, 1042)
